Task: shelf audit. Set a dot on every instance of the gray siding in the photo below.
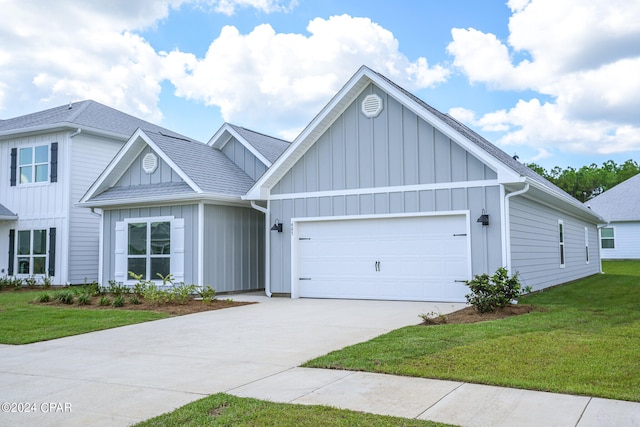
(135, 175)
(396, 148)
(535, 246)
(233, 248)
(244, 159)
(188, 212)
(485, 241)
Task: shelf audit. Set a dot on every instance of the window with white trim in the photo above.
(586, 244)
(607, 238)
(561, 242)
(31, 252)
(33, 164)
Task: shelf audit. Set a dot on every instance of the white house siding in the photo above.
(89, 156)
(233, 248)
(244, 159)
(40, 205)
(393, 164)
(626, 241)
(188, 212)
(535, 245)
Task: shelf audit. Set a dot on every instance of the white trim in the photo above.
(101, 249)
(148, 220)
(507, 223)
(393, 189)
(267, 243)
(226, 127)
(294, 234)
(200, 244)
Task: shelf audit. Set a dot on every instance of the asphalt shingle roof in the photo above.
(5, 212)
(135, 192)
(271, 148)
(620, 203)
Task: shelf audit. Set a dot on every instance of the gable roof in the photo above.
(89, 116)
(620, 203)
(266, 148)
(206, 171)
(6, 214)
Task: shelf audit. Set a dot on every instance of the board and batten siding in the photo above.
(135, 174)
(244, 159)
(89, 156)
(626, 240)
(234, 246)
(187, 212)
(535, 245)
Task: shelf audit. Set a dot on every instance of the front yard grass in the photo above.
(22, 322)
(226, 410)
(586, 341)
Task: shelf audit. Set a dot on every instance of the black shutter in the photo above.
(52, 252)
(54, 162)
(14, 166)
(12, 244)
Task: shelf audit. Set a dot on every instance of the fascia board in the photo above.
(61, 126)
(219, 143)
(566, 199)
(164, 201)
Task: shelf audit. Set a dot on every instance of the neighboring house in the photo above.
(380, 197)
(171, 205)
(620, 206)
(50, 158)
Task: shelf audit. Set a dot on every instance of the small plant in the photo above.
(65, 296)
(207, 293)
(117, 288)
(181, 294)
(16, 283)
(157, 296)
(434, 318)
(44, 297)
(84, 298)
(104, 301)
(491, 292)
(134, 299)
(166, 280)
(31, 281)
(229, 300)
(46, 282)
(118, 301)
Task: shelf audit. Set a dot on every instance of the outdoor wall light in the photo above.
(484, 218)
(277, 226)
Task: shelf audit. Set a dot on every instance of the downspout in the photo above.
(267, 243)
(100, 243)
(598, 228)
(75, 133)
(507, 221)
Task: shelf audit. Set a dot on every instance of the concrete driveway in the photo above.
(121, 376)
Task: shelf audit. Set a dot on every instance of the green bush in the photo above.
(181, 294)
(46, 282)
(104, 301)
(491, 292)
(44, 297)
(117, 289)
(207, 293)
(84, 298)
(31, 281)
(118, 301)
(134, 299)
(65, 296)
(157, 296)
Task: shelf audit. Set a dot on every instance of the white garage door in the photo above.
(403, 258)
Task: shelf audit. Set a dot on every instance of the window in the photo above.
(149, 249)
(33, 163)
(561, 239)
(32, 252)
(607, 238)
(586, 244)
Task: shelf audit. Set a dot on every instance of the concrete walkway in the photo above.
(121, 376)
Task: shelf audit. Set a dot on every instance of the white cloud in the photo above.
(585, 56)
(228, 7)
(282, 80)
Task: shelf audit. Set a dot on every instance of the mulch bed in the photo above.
(471, 315)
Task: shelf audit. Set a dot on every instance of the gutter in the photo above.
(267, 240)
(507, 223)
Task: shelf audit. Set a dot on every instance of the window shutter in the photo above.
(120, 260)
(52, 252)
(177, 249)
(12, 245)
(54, 162)
(14, 166)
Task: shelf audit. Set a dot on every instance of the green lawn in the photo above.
(23, 323)
(226, 410)
(587, 342)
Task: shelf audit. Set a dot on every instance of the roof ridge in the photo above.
(83, 105)
(258, 133)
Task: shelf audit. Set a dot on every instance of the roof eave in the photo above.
(162, 200)
(61, 126)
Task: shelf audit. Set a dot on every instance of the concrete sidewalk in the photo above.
(121, 376)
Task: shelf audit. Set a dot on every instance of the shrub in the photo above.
(134, 299)
(207, 293)
(156, 296)
(65, 296)
(44, 297)
(46, 282)
(84, 298)
(16, 283)
(31, 281)
(104, 301)
(117, 288)
(118, 301)
(181, 294)
(497, 291)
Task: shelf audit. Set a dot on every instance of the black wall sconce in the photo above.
(277, 226)
(484, 218)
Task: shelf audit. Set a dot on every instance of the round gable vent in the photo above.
(371, 106)
(150, 163)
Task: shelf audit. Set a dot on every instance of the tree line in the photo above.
(589, 181)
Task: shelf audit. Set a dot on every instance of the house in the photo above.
(620, 206)
(50, 159)
(380, 197)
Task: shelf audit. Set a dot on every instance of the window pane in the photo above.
(138, 238)
(607, 244)
(38, 264)
(160, 266)
(606, 232)
(23, 265)
(42, 154)
(26, 156)
(24, 242)
(561, 229)
(137, 266)
(160, 238)
(562, 255)
(42, 173)
(39, 242)
(26, 174)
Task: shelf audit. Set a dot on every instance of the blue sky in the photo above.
(555, 82)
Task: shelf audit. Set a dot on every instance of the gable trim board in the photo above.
(216, 141)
